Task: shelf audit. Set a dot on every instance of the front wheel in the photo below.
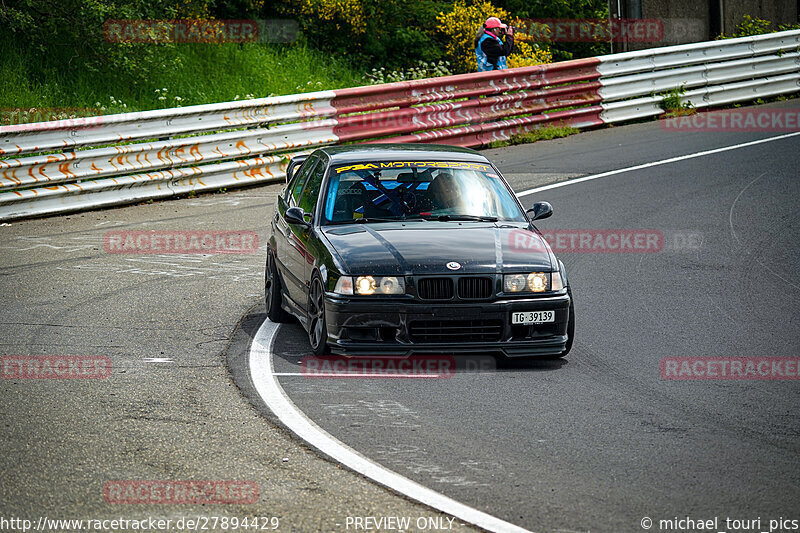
(272, 293)
(570, 325)
(317, 328)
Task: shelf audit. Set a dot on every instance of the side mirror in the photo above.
(540, 210)
(295, 215)
(294, 164)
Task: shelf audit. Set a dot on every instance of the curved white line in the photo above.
(270, 390)
(733, 205)
(655, 164)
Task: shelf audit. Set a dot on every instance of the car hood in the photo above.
(427, 247)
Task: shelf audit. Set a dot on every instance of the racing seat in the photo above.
(348, 199)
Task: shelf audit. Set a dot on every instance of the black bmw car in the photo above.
(400, 249)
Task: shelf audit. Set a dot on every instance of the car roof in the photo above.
(391, 152)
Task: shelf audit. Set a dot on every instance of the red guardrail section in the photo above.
(487, 106)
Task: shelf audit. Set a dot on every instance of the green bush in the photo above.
(63, 59)
(379, 33)
(54, 52)
(757, 26)
(70, 34)
(671, 102)
(398, 34)
(562, 9)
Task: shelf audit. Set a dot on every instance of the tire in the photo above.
(317, 327)
(272, 293)
(570, 325)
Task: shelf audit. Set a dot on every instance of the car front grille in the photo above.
(474, 288)
(429, 331)
(435, 288)
(442, 288)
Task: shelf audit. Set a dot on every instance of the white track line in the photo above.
(655, 164)
(312, 375)
(270, 390)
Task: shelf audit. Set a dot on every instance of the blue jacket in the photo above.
(491, 52)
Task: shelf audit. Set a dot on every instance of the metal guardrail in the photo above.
(712, 73)
(63, 166)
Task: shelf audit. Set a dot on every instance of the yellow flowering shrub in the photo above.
(460, 25)
(193, 9)
(526, 55)
(345, 14)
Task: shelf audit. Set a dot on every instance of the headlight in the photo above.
(365, 285)
(514, 282)
(532, 282)
(368, 285)
(537, 282)
(391, 285)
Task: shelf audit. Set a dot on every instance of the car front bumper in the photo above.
(361, 327)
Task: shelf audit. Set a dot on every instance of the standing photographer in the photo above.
(490, 50)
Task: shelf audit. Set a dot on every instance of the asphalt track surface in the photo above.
(593, 443)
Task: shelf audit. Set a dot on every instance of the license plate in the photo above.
(533, 317)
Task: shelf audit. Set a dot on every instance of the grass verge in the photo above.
(186, 74)
(540, 134)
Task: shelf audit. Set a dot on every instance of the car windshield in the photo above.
(400, 190)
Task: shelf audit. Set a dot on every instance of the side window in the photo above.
(311, 191)
(298, 180)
